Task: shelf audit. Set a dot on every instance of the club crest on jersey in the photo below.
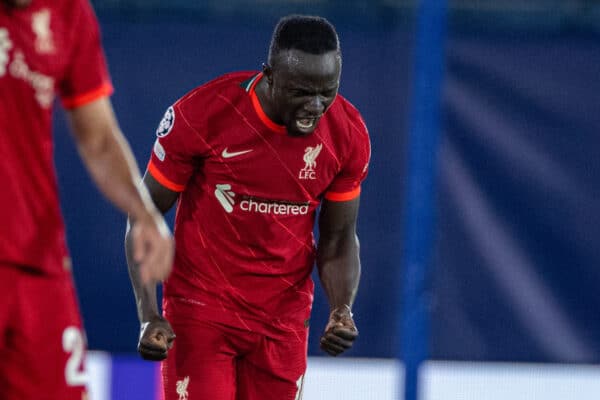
(181, 388)
(310, 157)
(40, 24)
(166, 124)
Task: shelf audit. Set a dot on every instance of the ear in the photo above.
(268, 72)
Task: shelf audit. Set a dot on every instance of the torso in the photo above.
(36, 49)
(245, 220)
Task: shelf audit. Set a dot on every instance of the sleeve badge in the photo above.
(166, 124)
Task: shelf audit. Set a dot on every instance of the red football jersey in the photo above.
(50, 47)
(249, 195)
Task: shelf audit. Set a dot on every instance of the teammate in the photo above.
(50, 47)
(250, 157)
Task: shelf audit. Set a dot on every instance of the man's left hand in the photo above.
(340, 331)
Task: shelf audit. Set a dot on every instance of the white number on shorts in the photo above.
(72, 342)
(300, 385)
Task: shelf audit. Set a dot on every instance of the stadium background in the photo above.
(511, 222)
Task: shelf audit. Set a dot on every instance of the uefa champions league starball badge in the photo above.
(166, 124)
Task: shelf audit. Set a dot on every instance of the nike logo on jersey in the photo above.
(227, 154)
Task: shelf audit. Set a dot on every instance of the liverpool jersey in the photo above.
(51, 47)
(249, 195)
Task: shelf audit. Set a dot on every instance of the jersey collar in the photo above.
(258, 107)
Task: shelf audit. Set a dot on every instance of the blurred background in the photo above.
(503, 298)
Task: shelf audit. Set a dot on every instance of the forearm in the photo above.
(108, 157)
(145, 294)
(112, 167)
(338, 264)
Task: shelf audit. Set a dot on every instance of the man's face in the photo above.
(302, 87)
(17, 3)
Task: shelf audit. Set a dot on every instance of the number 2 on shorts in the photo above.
(72, 342)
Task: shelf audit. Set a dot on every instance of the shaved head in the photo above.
(310, 34)
(17, 3)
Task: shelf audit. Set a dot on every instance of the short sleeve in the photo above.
(86, 77)
(346, 185)
(176, 150)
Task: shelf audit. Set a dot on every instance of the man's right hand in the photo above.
(156, 339)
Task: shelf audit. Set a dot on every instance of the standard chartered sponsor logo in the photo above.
(264, 207)
(42, 84)
(249, 204)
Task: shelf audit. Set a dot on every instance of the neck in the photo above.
(262, 92)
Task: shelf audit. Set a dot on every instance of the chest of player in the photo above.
(32, 48)
(273, 166)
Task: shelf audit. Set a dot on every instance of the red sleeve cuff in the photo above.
(163, 180)
(106, 89)
(346, 196)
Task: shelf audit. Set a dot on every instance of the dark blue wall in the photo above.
(516, 273)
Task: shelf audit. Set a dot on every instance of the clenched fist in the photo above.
(156, 339)
(340, 331)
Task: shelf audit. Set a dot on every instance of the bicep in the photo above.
(93, 122)
(163, 197)
(338, 218)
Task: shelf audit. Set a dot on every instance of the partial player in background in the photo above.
(250, 157)
(49, 47)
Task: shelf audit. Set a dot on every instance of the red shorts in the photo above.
(219, 362)
(41, 344)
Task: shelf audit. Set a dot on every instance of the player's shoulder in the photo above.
(67, 6)
(220, 85)
(55, 8)
(346, 115)
(75, 18)
(345, 107)
(227, 85)
(67, 22)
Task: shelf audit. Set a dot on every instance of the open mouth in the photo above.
(306, 123)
